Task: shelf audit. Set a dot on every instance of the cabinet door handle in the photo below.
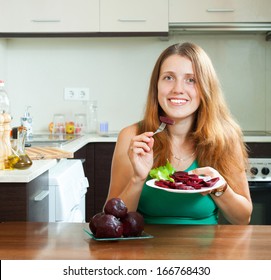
(45, 20)
(41, 195)
(220, 10)
(132, 20)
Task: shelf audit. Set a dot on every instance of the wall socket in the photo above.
(76, 94)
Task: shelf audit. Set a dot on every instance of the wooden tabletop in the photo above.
(26, 240)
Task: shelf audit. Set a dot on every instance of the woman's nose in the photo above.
(179, 86)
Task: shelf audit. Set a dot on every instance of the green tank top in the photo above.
(162, 207)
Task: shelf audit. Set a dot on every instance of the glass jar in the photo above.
(92, 117)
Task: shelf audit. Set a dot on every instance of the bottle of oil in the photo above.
(19, 149)
(14, 157)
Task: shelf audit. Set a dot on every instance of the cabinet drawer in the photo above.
(134, 16)
(38, 16)
(219, 11)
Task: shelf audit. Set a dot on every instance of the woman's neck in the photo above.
(182, 147)
(180, 129)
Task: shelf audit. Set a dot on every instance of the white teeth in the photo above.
(178, 101)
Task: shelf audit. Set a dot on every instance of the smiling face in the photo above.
(177, 94)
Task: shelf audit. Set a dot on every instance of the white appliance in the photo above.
(67, 190)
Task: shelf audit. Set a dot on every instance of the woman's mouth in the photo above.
(178, 101)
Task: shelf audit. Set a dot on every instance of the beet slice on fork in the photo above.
(166, 120)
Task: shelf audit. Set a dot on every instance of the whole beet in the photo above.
(93, 222)
(108, 226)
(116, 207)
(133, 224)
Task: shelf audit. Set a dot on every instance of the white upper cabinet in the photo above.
(133, 15)
(42, 16)
(232, 11)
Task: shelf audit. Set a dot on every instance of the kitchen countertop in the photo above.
(26, 240)
(24, 176)
(40, 166)
(77, 144)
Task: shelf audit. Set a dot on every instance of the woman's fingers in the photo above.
(142, 143)
(205, 171)
(141, 154)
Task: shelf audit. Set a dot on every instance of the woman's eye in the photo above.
(168, 78)
(190, 81)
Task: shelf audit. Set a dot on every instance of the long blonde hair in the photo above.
(217, 137)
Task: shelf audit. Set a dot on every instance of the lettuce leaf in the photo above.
(163, 172)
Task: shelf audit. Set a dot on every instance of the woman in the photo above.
(204, 140)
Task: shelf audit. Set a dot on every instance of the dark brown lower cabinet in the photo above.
(97, 166)
(25, 201)
(29, 202)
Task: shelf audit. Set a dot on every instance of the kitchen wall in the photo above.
(117, 72)
(3, 59)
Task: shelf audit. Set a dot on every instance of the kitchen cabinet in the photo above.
(83, 17)
(49, 16)
(97, 168)
(25, 201)
(134, 16)
(209, 11)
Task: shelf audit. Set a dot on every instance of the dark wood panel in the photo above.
(81, 154)
(103, 159)
(17, 201)
(13, 201)
(90, 171)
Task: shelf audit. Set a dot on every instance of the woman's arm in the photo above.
(235, 203)
(131, 163)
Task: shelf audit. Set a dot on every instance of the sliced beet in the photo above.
(184, 180)
(166, 120)
(211, 182)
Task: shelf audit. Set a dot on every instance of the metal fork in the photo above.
(160, 128)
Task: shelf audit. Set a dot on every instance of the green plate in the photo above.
(144, 235)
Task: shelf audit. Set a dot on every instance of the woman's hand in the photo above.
(207, 171)
(141, 154)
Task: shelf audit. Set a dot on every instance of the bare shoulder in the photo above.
(121, 165)
(127, 133)
(124, 139)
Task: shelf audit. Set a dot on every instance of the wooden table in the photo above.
(26, 240)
